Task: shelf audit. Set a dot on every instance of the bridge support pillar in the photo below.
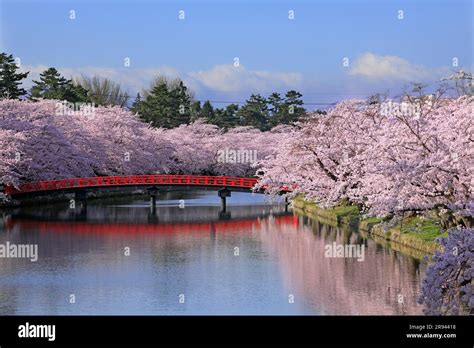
(223, 194)
(81, 196)
(225, 215)
(153, 192)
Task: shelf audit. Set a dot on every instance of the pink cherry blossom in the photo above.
(386, 162)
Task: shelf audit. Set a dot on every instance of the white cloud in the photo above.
(229, 78)
(219, 79)
(376, 67)
(370, 73)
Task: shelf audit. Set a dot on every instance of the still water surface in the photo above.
(256, 259)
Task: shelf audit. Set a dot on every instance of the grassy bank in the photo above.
(348, 214)
(414, 232)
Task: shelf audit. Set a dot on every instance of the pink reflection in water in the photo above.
(386, 282)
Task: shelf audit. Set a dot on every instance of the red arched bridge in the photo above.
(135, 180)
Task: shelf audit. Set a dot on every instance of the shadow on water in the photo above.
(171, 207)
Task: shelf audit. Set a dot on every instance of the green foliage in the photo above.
(195, 110)
(276, 108)
(227, 118)
(346, 214)
(167, 105)
(136, 103)
(285, 111)
(255, 112)
(267, 113)
(207, 112)
(421, 228)
(222, 117)
(10, 80)
(54, 86)
(258, 112)
(292, 108)
(345, 210)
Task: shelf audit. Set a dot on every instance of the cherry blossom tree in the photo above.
(325, 156)
(125, 145)
(242, 147)
(51, 139)
(36, 148)
(388, 157)
(423, 160)
(196, 147)
(44, 141)
(202, 148)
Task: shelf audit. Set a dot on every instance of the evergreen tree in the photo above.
(227, 118)
(195, 110)
(276, 108)
(255, 112)
(292, 108)
(155, 109)
(181, 104)
(136, 103)
(167, 105)
(207, 112)
(10, 80)
(138, 99)
(54, 86)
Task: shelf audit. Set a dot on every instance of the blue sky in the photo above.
(275, 53)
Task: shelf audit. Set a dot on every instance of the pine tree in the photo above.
(155, 108)
(208, 113)
(136, 104)
(195, 110)
(276, 108)
(293, 109)
(10, 80)
(54, 86)
(255, 112)
(181, 102)
(227, 118)
(167, 105)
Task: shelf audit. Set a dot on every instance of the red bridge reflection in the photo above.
(142, 228)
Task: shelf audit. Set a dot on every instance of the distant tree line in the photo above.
(167, 103)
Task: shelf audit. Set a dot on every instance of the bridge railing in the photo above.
(133, 180)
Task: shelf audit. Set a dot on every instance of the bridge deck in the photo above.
(133, 180)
